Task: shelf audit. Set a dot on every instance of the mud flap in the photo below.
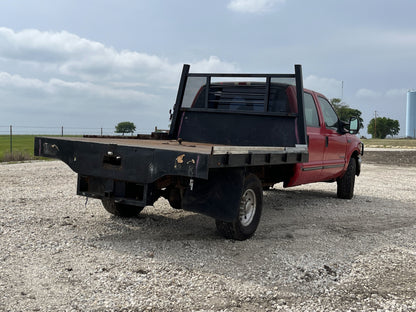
(218, 197)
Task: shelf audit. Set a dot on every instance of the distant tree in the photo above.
(125, 127)
(344, 112)
(381, 127)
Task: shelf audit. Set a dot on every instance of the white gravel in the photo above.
(312, 251)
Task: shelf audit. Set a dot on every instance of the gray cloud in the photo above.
(64, 74)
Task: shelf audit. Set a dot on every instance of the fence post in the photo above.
(62, 131)
(11, 140)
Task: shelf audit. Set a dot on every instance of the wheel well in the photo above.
(270, 175)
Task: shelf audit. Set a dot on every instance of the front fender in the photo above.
(355, 149)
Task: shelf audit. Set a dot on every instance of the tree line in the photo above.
(378, 127)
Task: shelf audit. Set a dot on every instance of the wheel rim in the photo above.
(247, 207)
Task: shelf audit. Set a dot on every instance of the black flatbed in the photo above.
(129, 159)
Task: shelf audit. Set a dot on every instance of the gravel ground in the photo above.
(311, 252)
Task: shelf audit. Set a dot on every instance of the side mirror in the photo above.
(354, 125)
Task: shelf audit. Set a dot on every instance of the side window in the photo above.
(331, 118)
(311, 114)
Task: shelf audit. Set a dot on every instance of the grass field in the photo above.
(22, 145)
(390, 143)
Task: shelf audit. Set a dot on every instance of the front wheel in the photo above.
(249, 211)
(121, 210)
(345, 184)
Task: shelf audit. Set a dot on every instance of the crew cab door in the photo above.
(335, 142)
(316, 143)
(312, 170)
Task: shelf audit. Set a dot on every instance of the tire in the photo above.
(121, 210)
(345, 184)
(249, 212)
(175, 199)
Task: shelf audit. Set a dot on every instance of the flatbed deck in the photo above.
(171, 145)
(149, 159)
(185, 146)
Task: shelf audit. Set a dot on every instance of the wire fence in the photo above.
(9, 134)
(60, 130)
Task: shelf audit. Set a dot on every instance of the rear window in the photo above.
(242, 96)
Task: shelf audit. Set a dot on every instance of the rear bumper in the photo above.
(136, 194)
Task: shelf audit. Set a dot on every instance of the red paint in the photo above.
(329, 150)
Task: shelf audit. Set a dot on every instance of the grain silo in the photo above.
(411, 114)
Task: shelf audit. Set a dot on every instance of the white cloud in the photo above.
(59, 88)
(213, 64)
(253, 6)
(329, 87)
(88, 60)
(59, 74)
(32, 45)
(7, 81)
(367, 93)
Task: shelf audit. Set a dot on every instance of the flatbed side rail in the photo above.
(247, 156)
(216, 150)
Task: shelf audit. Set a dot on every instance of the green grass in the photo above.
(22, 145)
(390, 143)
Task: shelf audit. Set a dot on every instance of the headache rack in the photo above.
(242, 104)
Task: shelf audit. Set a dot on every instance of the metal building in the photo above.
(411, 114)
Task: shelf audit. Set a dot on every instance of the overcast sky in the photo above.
(92, 64)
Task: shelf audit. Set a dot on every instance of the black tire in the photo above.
(249, 212)
(345, 184)
(175, 199)
(121, 210)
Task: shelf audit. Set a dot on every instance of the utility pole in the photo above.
(375, 123)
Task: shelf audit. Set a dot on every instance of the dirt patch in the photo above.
(390, 157)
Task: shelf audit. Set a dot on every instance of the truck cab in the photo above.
(330, 145)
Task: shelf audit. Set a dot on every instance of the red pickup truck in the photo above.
(231, 137)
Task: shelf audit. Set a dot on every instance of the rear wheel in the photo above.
(249, 212)
(121, 210)
(345, 185)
